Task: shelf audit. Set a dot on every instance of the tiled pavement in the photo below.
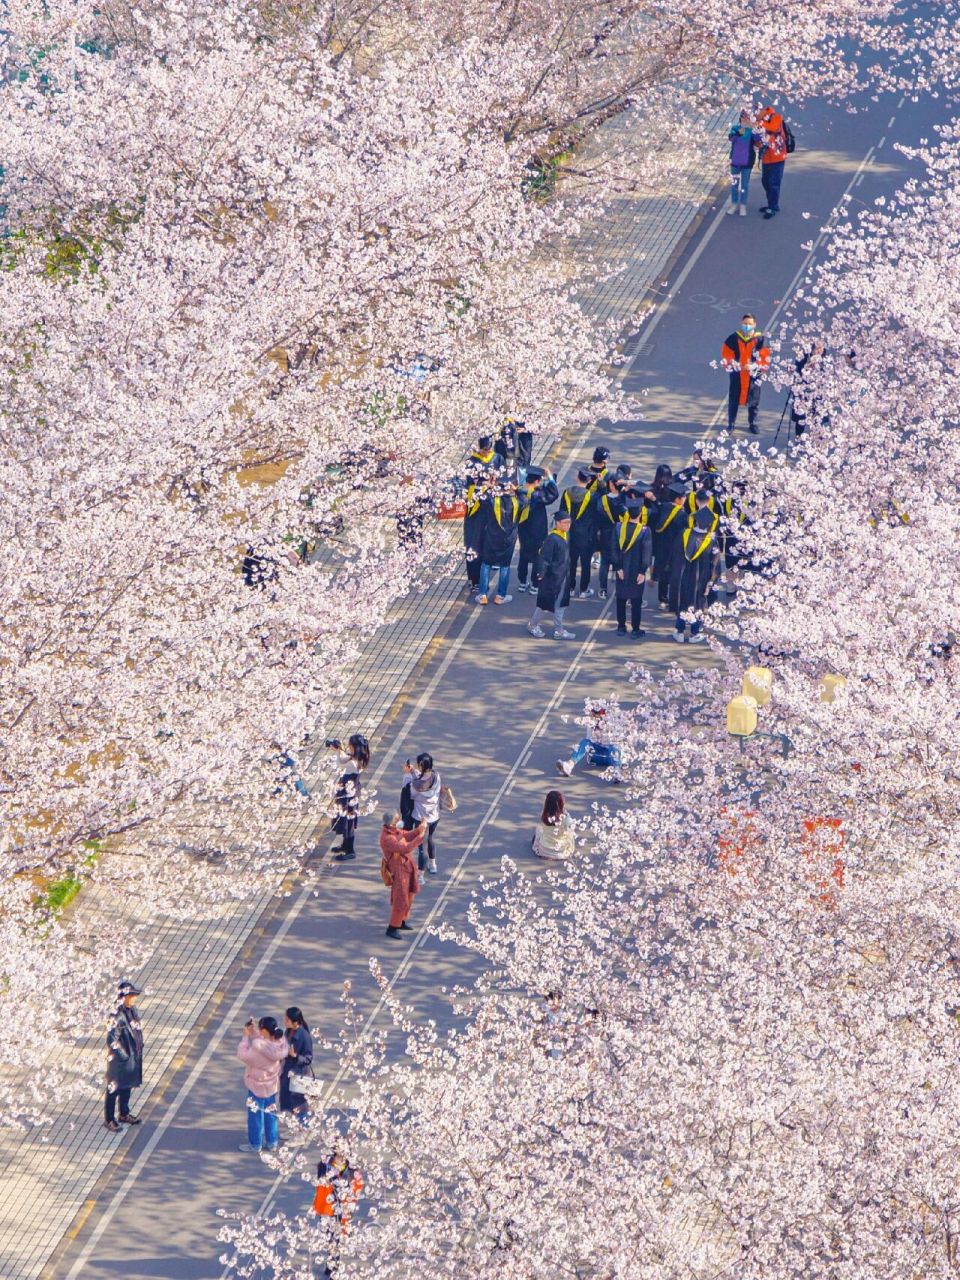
(48, 1175)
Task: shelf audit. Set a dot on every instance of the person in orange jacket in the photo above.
(773, 155)
(745, 355)
(339, 1188)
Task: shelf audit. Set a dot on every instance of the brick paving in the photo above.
(50, 1173)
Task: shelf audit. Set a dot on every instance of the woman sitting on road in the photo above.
(553, 835)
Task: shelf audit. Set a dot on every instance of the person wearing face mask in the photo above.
(746, 357)
(632, 546)
(743, 156)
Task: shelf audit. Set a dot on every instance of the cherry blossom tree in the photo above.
(723, 1043)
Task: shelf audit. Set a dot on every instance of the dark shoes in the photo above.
(343, 856)
(754, 430)
(621, 631)
(638, 633)
(129, 1118)
(764, 208)
(111, 1126)
(771, 213)
(394, 933)
(405, 925)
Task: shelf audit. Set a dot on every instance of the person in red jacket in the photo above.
(398, 870)
(745, 355)
(773, 155)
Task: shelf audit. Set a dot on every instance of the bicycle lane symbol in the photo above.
(723, 304)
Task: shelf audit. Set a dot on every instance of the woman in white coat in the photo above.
(423, 806)
(553, 836)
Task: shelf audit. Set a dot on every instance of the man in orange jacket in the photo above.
(773, 155)
(745, 355)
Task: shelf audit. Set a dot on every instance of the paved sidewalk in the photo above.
(49, 1175)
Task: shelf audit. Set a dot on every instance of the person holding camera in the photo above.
(420, 805)
(347, 795)
(124, 1058)
(397, 870)
(262, 1050)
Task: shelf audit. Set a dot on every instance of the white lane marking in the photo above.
(881, 142)
(891, 120)
(901, 102)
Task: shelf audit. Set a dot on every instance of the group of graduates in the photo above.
(683, 526)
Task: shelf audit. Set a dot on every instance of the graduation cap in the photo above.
(600, 455)
(584, 475)
(535, 473)
(677, 489)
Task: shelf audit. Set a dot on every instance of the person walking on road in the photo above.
(425, 787)
(743, 156)
(695, 566)
(553, 593)
(398, 870)
(262, 1049)
(124, 1059)
(669, 520)
(339, 1188)
(347, 795)
(297, 1065)
(773, 156)
(540, 492)
(501, 513)
(746, 357)
(553, 836)
(578, 502)
(632, 553)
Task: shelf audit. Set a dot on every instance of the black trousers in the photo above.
(113, 1096)
(580, 555)
(527, 560)
(431, 850)
(733, 402)
(636, 608)
(663, 587)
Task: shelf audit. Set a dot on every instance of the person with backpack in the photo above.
(774, 148)
(743, 156)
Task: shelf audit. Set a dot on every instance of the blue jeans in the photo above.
(262, 1127)
(601, 755)
(771, 175)
(739, 182)
(503, 583)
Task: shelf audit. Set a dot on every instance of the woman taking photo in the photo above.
(347, 796)
(425, 785)
(553, 835)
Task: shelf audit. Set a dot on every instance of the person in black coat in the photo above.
(501, 509)
(482, 467)
(296, 1065)
(667, 522)
(553, 593)
(578, 502)
(632, 553)
(694, 567)
(124, 1059)
(540, 492)
(514, 447)
(609, 506)
(347, 795)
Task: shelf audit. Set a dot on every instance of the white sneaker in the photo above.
(502, 599)
(699, 638)
(601, 595)
(743, 211)
(522, 588)
(245, 1146)
(585, 595)
(537, 631)
(731, 210)
(680, 637)
(432, 866)
(563, 634)
(565, 767)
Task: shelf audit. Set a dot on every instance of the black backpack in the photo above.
(789, 139)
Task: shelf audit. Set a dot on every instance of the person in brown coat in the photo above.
(398, 869)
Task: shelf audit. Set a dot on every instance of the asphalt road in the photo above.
(490, 709)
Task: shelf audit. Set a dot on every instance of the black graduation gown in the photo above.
(579, 502)
(608, 508)
(514, 443)
(632, 551)
(501, 520)
(665, 537)
(478, 468)
(554, 569)
(694, 564)
(534, 525)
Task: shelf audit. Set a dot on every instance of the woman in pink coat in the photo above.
(262, 1050)
(398, 869)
